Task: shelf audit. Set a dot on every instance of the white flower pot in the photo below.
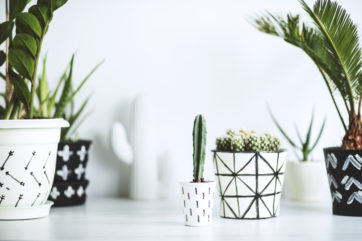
(249, 183)
(198, 200)
(28, 150)
(304, 180)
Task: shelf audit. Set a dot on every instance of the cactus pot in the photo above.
(72, 160)
(304, 180)
(28, 155)
(198, 200)
(344, 170)
(249, 183)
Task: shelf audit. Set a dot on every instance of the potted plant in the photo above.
(72, 157)
(250, 173)
(333, 45)
(303, 177)
(198, 195)
(28, 143)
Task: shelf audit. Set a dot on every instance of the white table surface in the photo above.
(122, 219)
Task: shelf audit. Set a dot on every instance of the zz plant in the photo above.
(22, 53)
(306, 146)
(199, 141)
(332, 43)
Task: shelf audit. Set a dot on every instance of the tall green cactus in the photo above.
(199, 139)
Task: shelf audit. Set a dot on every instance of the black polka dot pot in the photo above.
(69, 193)
(72, 159)
(249, 183)
(198, 200)
(344, 170)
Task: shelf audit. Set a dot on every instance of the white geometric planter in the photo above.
(198, 200)
(304, 180)
(249, 183)
(28, 151)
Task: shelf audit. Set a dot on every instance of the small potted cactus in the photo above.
(198, 195)
(250, 172)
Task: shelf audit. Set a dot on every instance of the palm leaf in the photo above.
(340, 39)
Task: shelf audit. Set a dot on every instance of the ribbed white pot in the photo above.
(249, 183)
(28, 150)
(198, 200)
(304, 180)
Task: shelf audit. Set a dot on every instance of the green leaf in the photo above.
(281, 129)
(58, 3)
(85, 79)
(66, 93)
(22, 62)
(29, 24)
(340, 38)
(16, 7)
(43, 91)
(309, 133)
(319, 135)
(5, 30)
(52, 100)
(21, 89)
(26, 42)
(42, 13)
(2, 58)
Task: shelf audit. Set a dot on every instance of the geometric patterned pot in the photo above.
(198, 201)
(344, 170)
(70, 183)
(250, 183)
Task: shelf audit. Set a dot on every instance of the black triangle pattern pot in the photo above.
(70, 184)
(344, 170)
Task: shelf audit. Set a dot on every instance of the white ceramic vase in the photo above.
(198, 200)
(249, 183)
(28, 150)
(304, 180)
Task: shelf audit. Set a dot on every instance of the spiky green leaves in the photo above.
(237, 141)
(199, 141)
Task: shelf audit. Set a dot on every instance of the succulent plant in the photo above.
(243, 140)
(199, 140)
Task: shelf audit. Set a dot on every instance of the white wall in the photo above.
(193, 56)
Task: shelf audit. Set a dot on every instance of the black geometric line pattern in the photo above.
(249, 184)
(11, 153)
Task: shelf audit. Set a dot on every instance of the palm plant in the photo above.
(306, 146)
(333, 45)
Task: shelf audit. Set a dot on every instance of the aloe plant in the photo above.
(22, 53)
(333, 45)
(60, 103)
(306, 146)
(199, 141)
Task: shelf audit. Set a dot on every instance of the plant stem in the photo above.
(334, 101)
(8, 111)
(33, 78)
(8, 87)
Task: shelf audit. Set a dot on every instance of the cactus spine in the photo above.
(199, 140)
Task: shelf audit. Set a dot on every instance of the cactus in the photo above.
(253, 143)
(199, 141)
(246, 141)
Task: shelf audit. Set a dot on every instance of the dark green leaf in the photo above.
(58, 3)
(5, 30)
(21, 89)
(26, 42)
(29, 24)
(16, 7)
(43, 14)
(2, 58)
(22, 62)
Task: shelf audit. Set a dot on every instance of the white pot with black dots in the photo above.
(198, 201)
(28, 150)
